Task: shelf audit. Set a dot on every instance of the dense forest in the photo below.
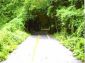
(63, 19)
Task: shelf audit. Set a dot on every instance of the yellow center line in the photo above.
(35, 47)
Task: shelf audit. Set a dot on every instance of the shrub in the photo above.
(75, 44)
(71, 18)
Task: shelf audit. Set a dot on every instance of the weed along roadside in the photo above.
(61, 19)
(37, 49)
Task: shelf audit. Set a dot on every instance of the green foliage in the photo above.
(64, 15)
(12, 17)
(72, 27)
(11, 35)
(80, 30)
(77, 3)
(75, 44)
(9, 41)
(8, 10)
(71, 18)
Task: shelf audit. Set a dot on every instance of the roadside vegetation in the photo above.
(11, 26)
(64, 18)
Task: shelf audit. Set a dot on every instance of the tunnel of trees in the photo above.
(41, 22)
(63, 19)
(53, 18)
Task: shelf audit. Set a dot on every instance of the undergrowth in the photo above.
(66, 16)
(73, 43)
(12, 31)
(11, 35)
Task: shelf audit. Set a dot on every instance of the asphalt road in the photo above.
(41, 49)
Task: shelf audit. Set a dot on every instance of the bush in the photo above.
(75, 44)
(12, 29)
(8, 10)
(65, 16)
(71, 18)
(10, 37)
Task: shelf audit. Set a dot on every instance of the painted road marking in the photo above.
(35, 47)
(48, 37)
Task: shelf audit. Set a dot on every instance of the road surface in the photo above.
(41, 49)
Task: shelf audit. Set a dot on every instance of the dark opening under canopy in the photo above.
(40, 24)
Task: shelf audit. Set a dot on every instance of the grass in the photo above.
(12, 32)
(14, 13)
(9, 41)
(73, 43)
(11, 35)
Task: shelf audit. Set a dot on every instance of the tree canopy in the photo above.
(64, 18)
